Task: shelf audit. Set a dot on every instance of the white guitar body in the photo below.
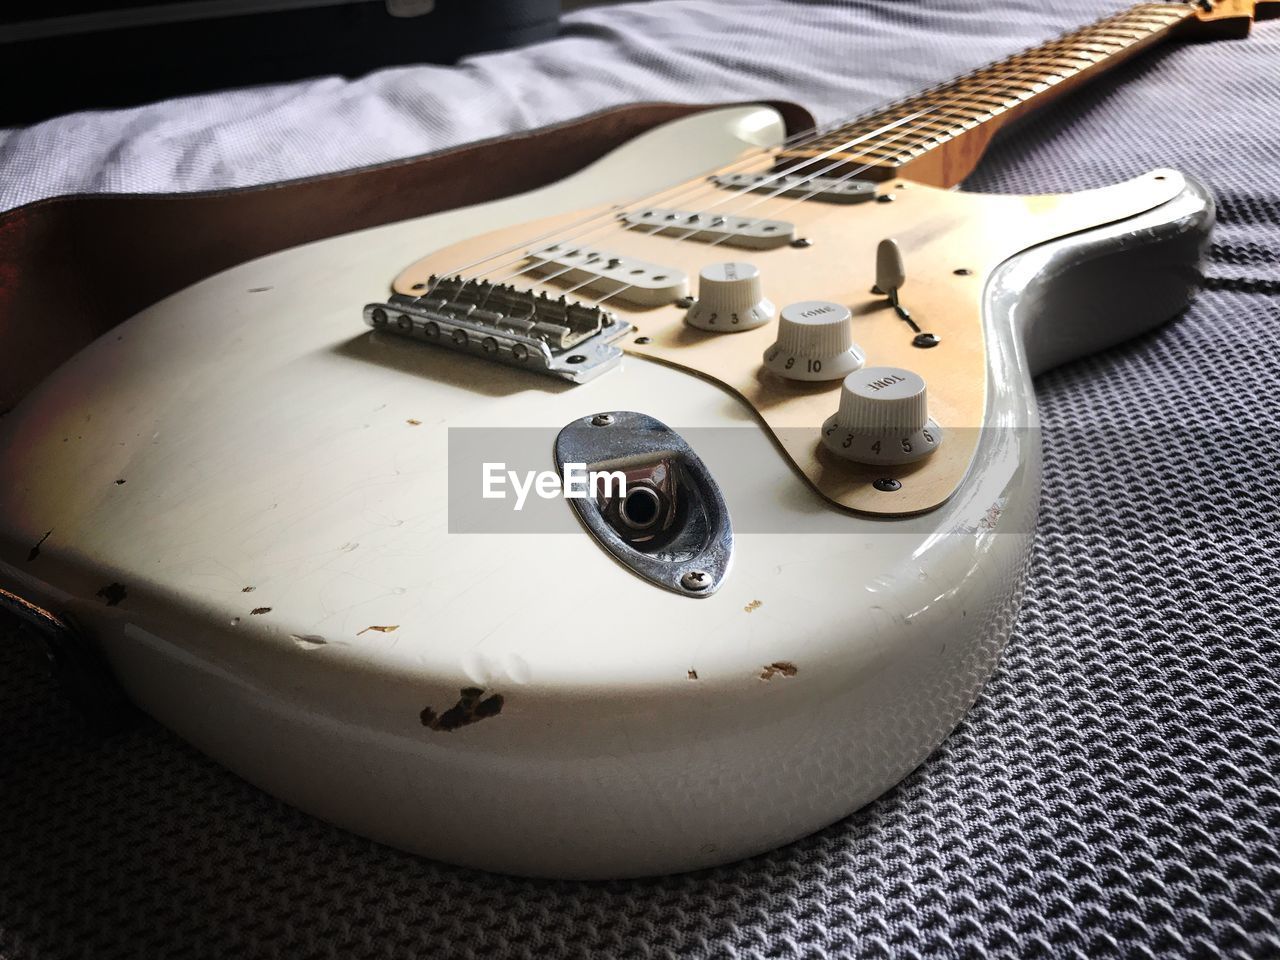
(265, 441)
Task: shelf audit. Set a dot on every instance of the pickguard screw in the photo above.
(643, 340)
(696, 580)
(962, 272)
(801, 242)
(602, 420)
(876, 291)
(684, 303)
(887, 484)
(925, 340)
(885, 198)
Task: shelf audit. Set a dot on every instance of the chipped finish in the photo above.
(387, 629)
(469, 709)
(35, 550)
(782, 668)
(259, 611)
(692, 675)
(753, 606)
(113, 594)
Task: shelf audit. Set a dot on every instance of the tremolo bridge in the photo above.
(499, 322)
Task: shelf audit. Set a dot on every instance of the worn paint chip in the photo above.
(413, 423)
(693, 674)
(113, 593)
(119, 482)
(248, 589)
(387, 629)
(307, 641)
(35, 551)
(259, 611)
(753, 605)
(784, 667)
(469, 709)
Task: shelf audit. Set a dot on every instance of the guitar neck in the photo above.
(938, 136)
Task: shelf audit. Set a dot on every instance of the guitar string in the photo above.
(1046, 79)
(685, 187)
(715, 243)
(754, 188)
(613, 223)
(728, 236)
(772, 195)
(990, 81)
(700, 183)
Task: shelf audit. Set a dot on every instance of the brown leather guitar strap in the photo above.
(73, 267)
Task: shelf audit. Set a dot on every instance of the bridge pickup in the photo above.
(735, 231)
(824, 189)
(610, 275)
(535, 332)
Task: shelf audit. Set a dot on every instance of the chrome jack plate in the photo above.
(665, 517)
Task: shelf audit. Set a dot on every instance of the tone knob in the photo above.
(883, 418)
(729, 299)
(815, 342)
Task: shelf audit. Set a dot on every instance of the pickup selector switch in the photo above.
(883, 418)
(729, 299)
(815, 342)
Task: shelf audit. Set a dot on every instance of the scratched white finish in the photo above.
(264, 442)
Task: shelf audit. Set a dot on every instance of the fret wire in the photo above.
(990, 91)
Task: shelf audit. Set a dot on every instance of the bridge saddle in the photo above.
(556, 337)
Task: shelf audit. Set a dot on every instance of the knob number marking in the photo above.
(883, 419)
(815, 342)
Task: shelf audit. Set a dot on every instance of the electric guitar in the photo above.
(633, 524)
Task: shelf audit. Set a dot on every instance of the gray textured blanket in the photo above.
(1113, 792)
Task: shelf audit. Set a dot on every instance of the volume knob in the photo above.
(815, 342)
(729, 299)
(883, 418)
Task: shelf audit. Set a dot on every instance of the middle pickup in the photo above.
(749, 232)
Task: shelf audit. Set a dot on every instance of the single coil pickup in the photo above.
(750, 232)
(473, 333)
(610, 275)
(824, 189)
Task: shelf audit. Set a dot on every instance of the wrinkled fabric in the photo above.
(1112, 793)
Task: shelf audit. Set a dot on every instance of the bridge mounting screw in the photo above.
(695, 580)
(885, 198)
(602, 420)
(962, 272)
(925, 340)
(644, 340)
(684, 303)
(887, 484)
(801, 243)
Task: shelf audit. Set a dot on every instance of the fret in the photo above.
(1127, 36)
(993, 95)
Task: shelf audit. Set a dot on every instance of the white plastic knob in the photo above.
(730, 299)
(883, 418)
(815, 342)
